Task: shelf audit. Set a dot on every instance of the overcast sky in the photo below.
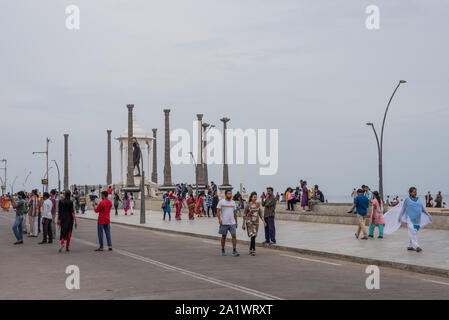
(309, 68)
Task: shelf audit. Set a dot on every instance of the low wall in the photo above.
(332, 213)
(336, 213)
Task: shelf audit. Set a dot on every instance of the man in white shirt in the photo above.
(47, 219)
(227, 217)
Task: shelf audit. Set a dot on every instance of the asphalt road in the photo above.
(155, 265)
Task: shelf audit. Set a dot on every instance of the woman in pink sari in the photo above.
(377, 216)
(179, 203)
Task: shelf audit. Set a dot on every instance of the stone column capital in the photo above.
(166, 111)
(130, 106)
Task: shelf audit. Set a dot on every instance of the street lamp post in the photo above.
(59, 176)
(26, 179)
(11, 186)
(46, 175)
(4, 181)
(380, 143)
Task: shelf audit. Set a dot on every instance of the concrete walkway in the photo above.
(329, 240)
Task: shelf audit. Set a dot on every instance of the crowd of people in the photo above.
(302, 195)
(203, 205)
(50, 212)
(226, 210)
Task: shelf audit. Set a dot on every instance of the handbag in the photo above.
(164, 204)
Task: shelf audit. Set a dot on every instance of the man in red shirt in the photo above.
(109, 192)
(104, 222)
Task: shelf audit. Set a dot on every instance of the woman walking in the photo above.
(131, 203)
(377, 217)
(191, 206)
(66, 219)
(290, 199)
(199, 205)
(413, 213)
(167, 207)
(179, 203)
(126, 203)
(305, 196)
(116, 202)
(214, 204)
(251, 221)
(209, 202)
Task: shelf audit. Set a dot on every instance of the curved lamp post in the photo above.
(59, 176)
(11, 186)
(196, 172)
(380, 143)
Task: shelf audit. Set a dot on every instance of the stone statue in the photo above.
(136, 157)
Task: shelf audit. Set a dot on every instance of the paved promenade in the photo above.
(150, 264)
(329, 240)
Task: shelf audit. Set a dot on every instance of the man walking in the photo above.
(33, 213)
(47, 219)
(361, 204)
(269, 202)
(104, 222)
(54, 209)
(19, 205)
(227, 218)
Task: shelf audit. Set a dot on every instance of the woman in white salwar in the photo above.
(413, 213)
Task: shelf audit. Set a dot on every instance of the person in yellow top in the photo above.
(83, 202)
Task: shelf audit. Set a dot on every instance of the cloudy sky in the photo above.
(308, 68)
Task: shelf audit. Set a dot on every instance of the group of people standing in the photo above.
(303, 195)
(411, 211)
(127, 203)
(252, 216)
(53, 210)
(203, 205)
(437, 202)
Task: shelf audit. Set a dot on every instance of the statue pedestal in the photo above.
(224, 187)
(150, 188)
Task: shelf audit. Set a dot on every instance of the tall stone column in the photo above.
(130, 172)
(167, 164)
(200, 164)
(148, 145)
(121, 163)
(225, 184)
(204, 160)
(200, 139)
(109, 172)
(154, 173)
(66, 162)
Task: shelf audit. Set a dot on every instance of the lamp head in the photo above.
(402, 81)
(370, 124)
